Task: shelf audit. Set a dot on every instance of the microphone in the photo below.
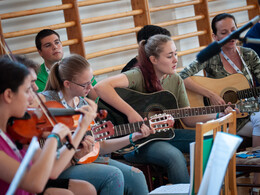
(250, 40)
(215, 47)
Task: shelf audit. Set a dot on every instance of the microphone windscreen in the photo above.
(208, 52)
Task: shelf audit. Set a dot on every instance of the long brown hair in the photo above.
(152, 47)
(67, 69)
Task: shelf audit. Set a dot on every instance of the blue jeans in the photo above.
(182, 139)
(167, 154)
(113, 179)
(163, 154)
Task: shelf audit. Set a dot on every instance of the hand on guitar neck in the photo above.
(145, 132)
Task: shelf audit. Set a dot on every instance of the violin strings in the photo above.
(43, 109)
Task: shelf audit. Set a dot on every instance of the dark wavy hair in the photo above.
(218, 18)
(25, 61)
(12, 74)
(150, 30)
(152, 47)
(42, 34)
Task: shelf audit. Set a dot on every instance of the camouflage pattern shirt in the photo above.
(214, 67)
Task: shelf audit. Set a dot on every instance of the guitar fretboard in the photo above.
(187, 112)
(126, 129)
(247, 93)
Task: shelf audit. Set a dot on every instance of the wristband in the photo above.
(57, 138)
(131, 139)
(217, 116)
(132, 143)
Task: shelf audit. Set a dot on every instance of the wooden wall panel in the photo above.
(140, 12)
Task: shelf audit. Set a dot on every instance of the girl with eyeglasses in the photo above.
(69, 83)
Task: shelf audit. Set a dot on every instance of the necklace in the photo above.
(236, 68)
(64, 103)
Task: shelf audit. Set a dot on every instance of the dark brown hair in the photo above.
(218, 18)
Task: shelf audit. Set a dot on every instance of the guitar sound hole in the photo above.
(206, 101)
(230, 96)
(154, 112)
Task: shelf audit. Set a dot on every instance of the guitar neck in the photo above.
(129, 128)
(247, 93)
(187, 112)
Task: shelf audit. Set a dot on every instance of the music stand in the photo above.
(34, 145)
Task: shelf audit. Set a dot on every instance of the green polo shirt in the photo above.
(42, 78)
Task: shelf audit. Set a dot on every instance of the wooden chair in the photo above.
(224, 124)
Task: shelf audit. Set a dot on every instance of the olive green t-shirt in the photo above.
(172, 83)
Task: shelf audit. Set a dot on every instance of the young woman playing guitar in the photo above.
(157, 61)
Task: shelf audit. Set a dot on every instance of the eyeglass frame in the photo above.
(84, 86)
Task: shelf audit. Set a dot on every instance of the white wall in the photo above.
(10, 25)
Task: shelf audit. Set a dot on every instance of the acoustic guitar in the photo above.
(148, 104)
(231, 88)
(99, 134)
(162, 123)
(106, 130)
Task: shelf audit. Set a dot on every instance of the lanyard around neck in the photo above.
(63, 101)
(236, 68)
(47, 69)
(11, 144)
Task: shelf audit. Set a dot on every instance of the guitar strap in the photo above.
(11, 144)
(236, 68)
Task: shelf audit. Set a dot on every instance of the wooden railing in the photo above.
(141, 14)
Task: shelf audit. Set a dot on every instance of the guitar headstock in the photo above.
(248, 105)
(102, 131)
(161, 122)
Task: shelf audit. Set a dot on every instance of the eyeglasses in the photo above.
(85, 86)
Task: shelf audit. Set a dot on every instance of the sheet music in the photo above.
(223, 148)
(34, 145)
(192, 152)
(176, 189)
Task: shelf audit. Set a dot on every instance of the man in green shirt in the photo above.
(49, 46)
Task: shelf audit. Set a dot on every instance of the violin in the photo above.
(35, 122)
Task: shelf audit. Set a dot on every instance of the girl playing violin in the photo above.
(15, 95)
(68, 82)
